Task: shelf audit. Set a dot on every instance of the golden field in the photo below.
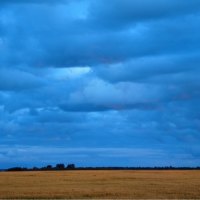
(101, 184)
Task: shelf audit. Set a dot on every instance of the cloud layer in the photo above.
(103, 78)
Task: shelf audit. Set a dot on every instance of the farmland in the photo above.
(144, 184)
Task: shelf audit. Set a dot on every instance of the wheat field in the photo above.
(100, 184)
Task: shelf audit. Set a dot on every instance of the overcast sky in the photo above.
(100, 82)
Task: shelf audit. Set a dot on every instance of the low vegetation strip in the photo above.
(101, 184)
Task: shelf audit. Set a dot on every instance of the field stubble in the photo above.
(101, 184)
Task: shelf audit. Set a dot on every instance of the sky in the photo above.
(99, 83)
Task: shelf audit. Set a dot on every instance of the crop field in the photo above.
(101, 184)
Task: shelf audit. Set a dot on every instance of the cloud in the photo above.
(116, 76)
(119, 13)
(98, 95)
(55, 39)
(14, 80)
(52, 154)
(33, 1)
(150, 67)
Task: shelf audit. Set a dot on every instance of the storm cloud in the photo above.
(97, 79)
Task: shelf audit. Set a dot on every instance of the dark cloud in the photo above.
(33, 1)
(150, 68)
(114, 76)
(43, 37)
(14, 80)
(119, 13)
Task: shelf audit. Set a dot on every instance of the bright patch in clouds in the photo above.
(69, 73)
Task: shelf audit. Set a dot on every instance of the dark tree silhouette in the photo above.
(49, 167)
(71, 166)
(17, 169)
(60, 166)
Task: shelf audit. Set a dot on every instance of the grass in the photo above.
(100, 184)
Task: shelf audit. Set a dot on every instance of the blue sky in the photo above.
(99, 83)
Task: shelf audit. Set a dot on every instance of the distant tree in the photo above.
(71, 166)
(35, 168)
(49, 167)
(60, 166)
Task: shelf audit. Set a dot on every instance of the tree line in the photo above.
(46, 168)
(73, 167)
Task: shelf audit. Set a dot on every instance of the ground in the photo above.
(132, 184)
